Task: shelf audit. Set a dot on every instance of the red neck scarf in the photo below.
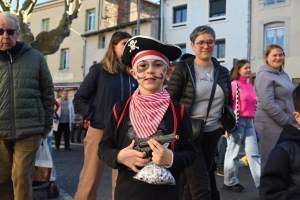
(147, 111)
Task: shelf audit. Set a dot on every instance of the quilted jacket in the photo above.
(26, 92)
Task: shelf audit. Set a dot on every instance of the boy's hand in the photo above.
(160, 154)
(132, 158)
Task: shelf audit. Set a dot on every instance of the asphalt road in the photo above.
(68, 165)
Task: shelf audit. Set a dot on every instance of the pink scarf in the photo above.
(146, 112)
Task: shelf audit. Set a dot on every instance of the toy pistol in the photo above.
(142, 145)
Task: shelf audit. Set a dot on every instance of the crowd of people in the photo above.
(145, 126)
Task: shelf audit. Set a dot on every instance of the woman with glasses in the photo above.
(191, 83)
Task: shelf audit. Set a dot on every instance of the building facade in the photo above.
(87, 42)
(276, 22)
(229, 19)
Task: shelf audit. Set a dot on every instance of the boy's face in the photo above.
(150, 75)
(297, 117)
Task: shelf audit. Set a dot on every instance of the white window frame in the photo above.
(101, 42)
(217, 18)
(265, 6)
(275, 1)
(64, 62)
(90, 20)
(181, 45)
(265, 24)
(134, 31)
(181, 8)
(217, 42)
(45, 26)
(275, 34)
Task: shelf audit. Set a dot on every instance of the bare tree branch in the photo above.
(28, 6)
(19, 3)
(6, 6)
(49, 42)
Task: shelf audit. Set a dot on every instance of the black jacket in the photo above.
(114, 139)
(182, 83)
(280, 179)
(98, 93)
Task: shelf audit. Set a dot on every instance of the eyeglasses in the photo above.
(8, 31)
(202, 43)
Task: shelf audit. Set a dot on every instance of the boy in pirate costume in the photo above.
(150, 111)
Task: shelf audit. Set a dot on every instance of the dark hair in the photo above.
(269, 49)
(235, 72)
(110, 60)
(296, 98)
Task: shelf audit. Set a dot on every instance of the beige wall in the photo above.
(105, 12)
(287, 12)
(95, 54)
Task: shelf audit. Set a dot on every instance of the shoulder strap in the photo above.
(237, 97)
(119, 120)
(212, 94)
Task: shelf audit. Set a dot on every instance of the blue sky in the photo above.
(42, 1)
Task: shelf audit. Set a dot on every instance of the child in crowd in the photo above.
(280, 178)
(150, 111)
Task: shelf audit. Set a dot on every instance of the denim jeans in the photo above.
(222, 151)
(244, 135)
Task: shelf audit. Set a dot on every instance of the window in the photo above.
(90, 20)
(219, 50)
(45, 24)
(101, 42)
(134, 31)
(274, 30)
(274, 36)
(183, 48)
(179, 15)
(45, 56)
(217, 10)
(274, 1)
(64, 59)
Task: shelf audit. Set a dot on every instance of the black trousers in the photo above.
(62, 127)
(200, 175)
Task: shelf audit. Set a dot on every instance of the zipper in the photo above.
(122, 85)
(129, 82)
(11, 95)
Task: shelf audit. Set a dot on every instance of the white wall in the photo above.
(234, 28)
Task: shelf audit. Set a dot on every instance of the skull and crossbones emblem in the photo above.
(132, 45)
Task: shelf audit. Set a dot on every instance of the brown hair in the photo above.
(296, 98)
(110, 61)
(269, 49)
(235, 72)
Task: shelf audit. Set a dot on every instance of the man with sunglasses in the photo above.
(26, 109)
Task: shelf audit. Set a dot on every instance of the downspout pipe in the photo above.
(249, 29)
(161, 17)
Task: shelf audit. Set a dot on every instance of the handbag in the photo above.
(228, 118)
(198, 125)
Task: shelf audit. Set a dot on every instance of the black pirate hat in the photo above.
(142, 43)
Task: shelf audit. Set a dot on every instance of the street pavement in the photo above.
(68, 165)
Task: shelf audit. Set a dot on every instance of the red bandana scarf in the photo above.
(146, 112)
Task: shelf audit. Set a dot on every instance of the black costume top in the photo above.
(114, 139)
(281, 176)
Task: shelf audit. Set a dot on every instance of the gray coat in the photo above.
(274, 96)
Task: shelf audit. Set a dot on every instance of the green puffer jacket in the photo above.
(26, 93)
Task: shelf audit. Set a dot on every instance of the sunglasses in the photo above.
(8, 31)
